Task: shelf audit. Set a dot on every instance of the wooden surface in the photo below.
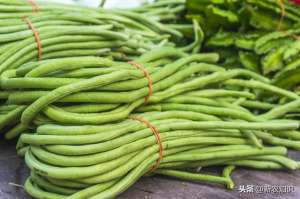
(13, 170)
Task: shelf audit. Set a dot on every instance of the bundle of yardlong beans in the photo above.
(100, 85)
(103, 161)
(85, 146)
(74, 33)
(57, 31)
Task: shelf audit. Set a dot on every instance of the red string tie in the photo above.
(36, 37)
(147, 75)
(34, 6)
(157, 136)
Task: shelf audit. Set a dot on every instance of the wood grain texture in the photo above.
(13, 170)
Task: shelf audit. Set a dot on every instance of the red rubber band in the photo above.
(36, 37)
(147, 75)
(34, 6)
(157, 136)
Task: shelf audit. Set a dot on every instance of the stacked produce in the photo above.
(172, 14)
(259, 35)
(57, 31)
(37, 80)
(100, 98)
(84, 147)
(131, 33)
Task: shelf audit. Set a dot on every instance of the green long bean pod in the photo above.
(227, 154)
(89, 108)
(43, 183)
(259, 85)
(15, 131)
(12, 116)
(193, 176)
(31, 111)
(92, 190)
(37, 192)
(65, 117)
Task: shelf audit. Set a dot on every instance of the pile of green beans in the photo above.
(79, 143)
(106, 90)
(79, 34)
(73, 111)
(104, 160)
(74, 31)
(172, 14)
